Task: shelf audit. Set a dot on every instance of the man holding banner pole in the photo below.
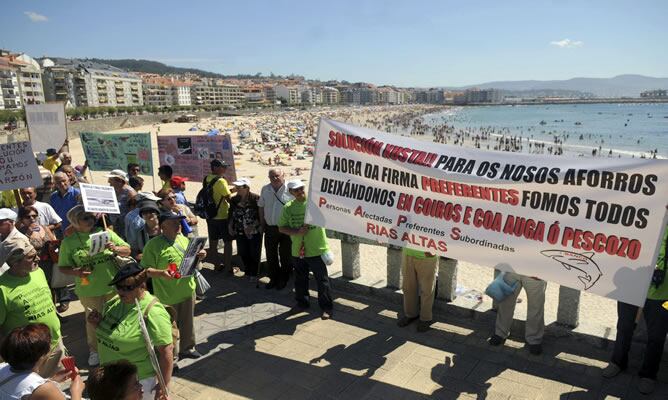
(309, 249)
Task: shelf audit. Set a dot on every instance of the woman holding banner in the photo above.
(92, 272)
(120, 336)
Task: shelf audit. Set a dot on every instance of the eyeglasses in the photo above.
(126, 288)
(32, 216)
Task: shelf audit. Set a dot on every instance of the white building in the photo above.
(181, 94)
(289, 94)
(10, 97)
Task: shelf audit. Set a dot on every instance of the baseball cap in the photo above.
(6, 213)
(148, 205)
(178, 180)
(219, 163)
(295, 184)
(242, 182)
(167, 215)
(118, 173)
(14, 248)
(141, 196)
(130, 269)
(51, 152)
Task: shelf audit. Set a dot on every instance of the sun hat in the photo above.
(242, 182)
(6, 213)
(118, 173)
(295, 184)
(130, 269)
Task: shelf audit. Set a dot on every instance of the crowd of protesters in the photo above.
(45, 250)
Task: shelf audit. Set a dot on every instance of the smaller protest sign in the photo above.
(18, 168)
(189, 262)
(98, 241)
(99, 199)
(46, 124)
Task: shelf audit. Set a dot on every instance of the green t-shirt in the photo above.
(220, 190)
(416, 253)
(73, 253)
(26, 300)
(314, 241)
(661, 292)
(119, 336)
(158, 254)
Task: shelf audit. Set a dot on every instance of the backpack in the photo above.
(172, 316)
(205, 205)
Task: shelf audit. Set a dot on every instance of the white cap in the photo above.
(295, 184)
(6, 213)
(147, 196)
(242, 182)
(118, 173)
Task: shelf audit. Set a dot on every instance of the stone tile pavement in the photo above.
(255, 348)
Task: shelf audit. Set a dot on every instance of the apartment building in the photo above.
(64, 82)
(21, 78)
(181, 94)
(330, 95)
(289, 94)
(10, 97)
(254, 94)
(216, 95)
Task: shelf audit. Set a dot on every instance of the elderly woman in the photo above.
(168, 203)
(119, 335)
(25, 297)
(149, 212)
(25, 350)
(245, 227)
(179, 293)
(92, 272)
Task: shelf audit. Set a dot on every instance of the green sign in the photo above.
(107, 151)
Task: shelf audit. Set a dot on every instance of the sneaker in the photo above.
(93, 359)
(646, 385)
(405, 321)
(327, 314)
(423, 326)
(496, 340)
(190, 353)
(536, 349)
(611, 370)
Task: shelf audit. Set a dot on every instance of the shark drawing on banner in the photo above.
(588, 271)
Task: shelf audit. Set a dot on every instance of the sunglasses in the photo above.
(126, 288)
(171, 197)
(32, 216)
(88, 218)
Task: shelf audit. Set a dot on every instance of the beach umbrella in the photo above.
(192, 129)
(213, 132)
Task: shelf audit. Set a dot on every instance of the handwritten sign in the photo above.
(46, 124)
(589, 224)
(18, 168)
(190, 156)
(107, 151)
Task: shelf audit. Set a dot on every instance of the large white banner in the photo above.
(18, 167)
(590, 224)
(46, 124)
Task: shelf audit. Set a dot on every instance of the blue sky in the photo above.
(403, 43)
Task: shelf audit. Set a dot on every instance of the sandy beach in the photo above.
(252, 158)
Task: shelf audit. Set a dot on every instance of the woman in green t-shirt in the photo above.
(119, 335)
(93, 272)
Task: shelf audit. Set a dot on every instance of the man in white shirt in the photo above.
(7, 231)
(272, 198)
(47, 215)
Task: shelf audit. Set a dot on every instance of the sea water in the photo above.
(636, 129)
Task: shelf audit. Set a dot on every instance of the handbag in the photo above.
(499, 289)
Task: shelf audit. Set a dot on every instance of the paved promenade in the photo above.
(256, 348)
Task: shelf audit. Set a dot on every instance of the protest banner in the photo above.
(107, 151)
(47, 125)
(589, 224)
(18, 168)
(190, 156)
(99, 199)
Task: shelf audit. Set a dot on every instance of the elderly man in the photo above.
(217, 226)
(273, 197)
(64, 198)
(25, 296)
(47, 215)
(118, 179)
(308, 246)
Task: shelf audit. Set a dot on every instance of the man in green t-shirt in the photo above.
(25, 297)
(418, 273)
(217, 226)
(309, 244)
(656, 319)
(179, 293)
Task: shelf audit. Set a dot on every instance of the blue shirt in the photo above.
(133, 228)
(180, 198)
(63, 204)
